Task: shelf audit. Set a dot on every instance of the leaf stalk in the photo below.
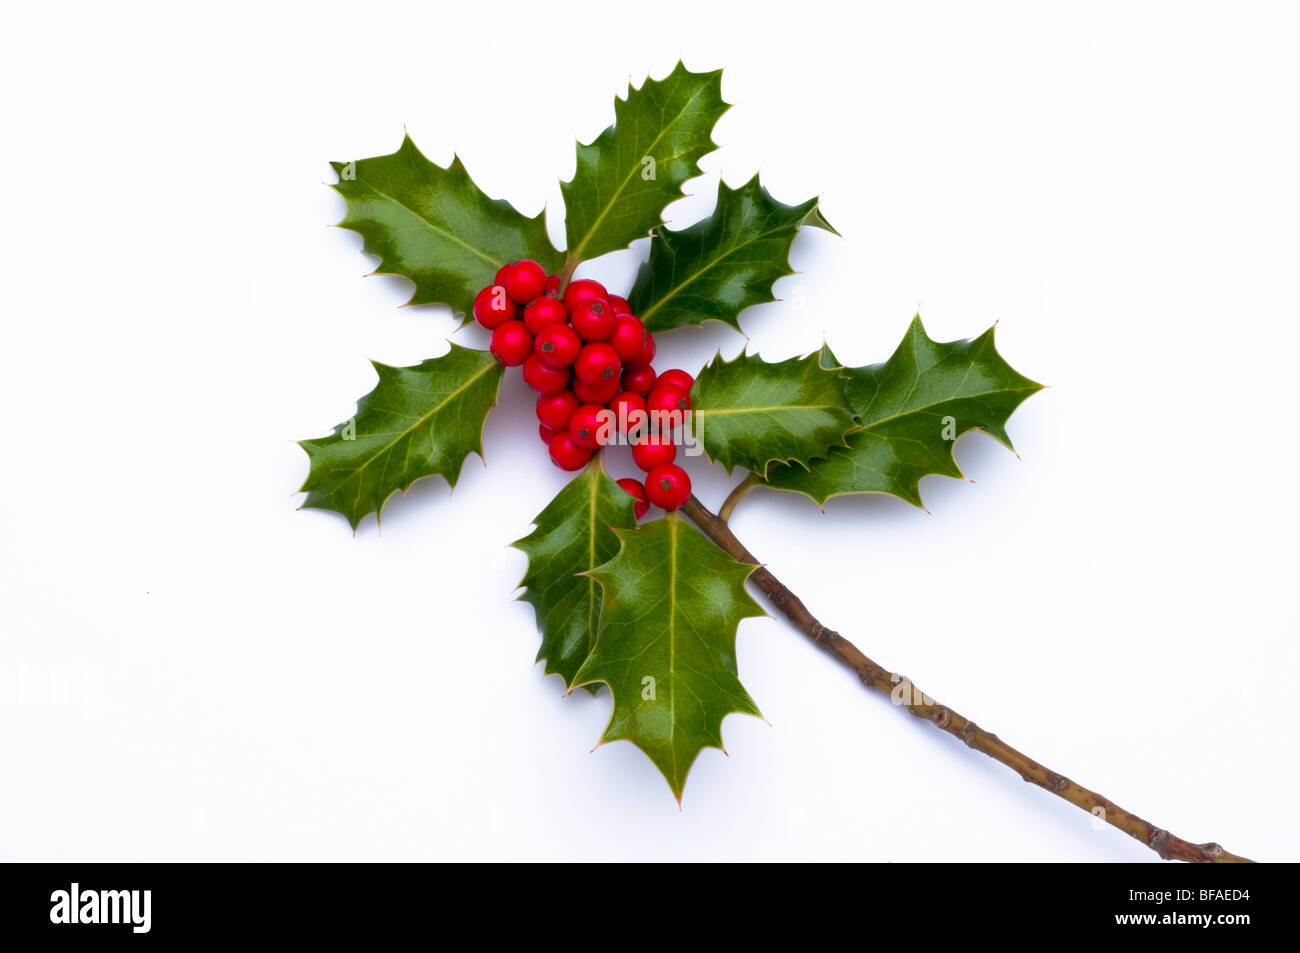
(736, 495)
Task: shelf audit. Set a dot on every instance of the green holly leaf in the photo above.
(912, 409)
(667, 643)
(573, 535)
(722, 265)
(436, 227)
(633, 169)
(418, 421)
(750, 413)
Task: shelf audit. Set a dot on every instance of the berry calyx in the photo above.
(639, 380)
(555, 410)
(677, 378)
(493, 307)
(525, 280)
(667, 486)
(597, 362)
(588, 426)
(580, 290)
(619, 304)
(544, 312)
(558, 345)
(593, 319)
(601, 392)
(566, 454)
(666, 397)
(651, 452)
(628, 337)
(511, 343)
(635, 487)
(544, 379)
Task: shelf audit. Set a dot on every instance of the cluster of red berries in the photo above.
(587, 355)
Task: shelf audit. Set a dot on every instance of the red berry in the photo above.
(493, 307)
(628, 337)
(500, 279)
(558, 345)
(553, 285)
(511, 343)
(580, 290)
(544, 312)
(601, 392)
(623, 405)
(619, 304)
(650, 452)
(639, 380)
(637, 489)
(666, 397)
(597, 362)
(543, 379)
(593, 319)
(555, 410)
(667, 486)
(647, 353)
(586, 425)
(546, 433)
(677, 378)
(525, 280)
(567, 455)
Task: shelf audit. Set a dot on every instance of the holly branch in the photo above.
(648, 609)
(917, 703)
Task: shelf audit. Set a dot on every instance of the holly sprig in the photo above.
(649, 608)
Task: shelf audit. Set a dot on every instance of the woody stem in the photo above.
(874, 676)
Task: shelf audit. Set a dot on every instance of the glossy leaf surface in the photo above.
(667, 643)
(720, 266)
(633, 169)
(749, 412)
(435, 226)
(418, 421)
(912, 408)
(573, 534)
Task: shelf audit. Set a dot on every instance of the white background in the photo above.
(192, 669)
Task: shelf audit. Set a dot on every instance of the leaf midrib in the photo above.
(421, 420)
(672, 638)
(768, 410)
(593, 618)
(576, 252)
(432, 226)
(924, 407)
(673, 292)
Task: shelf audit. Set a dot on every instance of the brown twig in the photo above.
(1168, 846)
